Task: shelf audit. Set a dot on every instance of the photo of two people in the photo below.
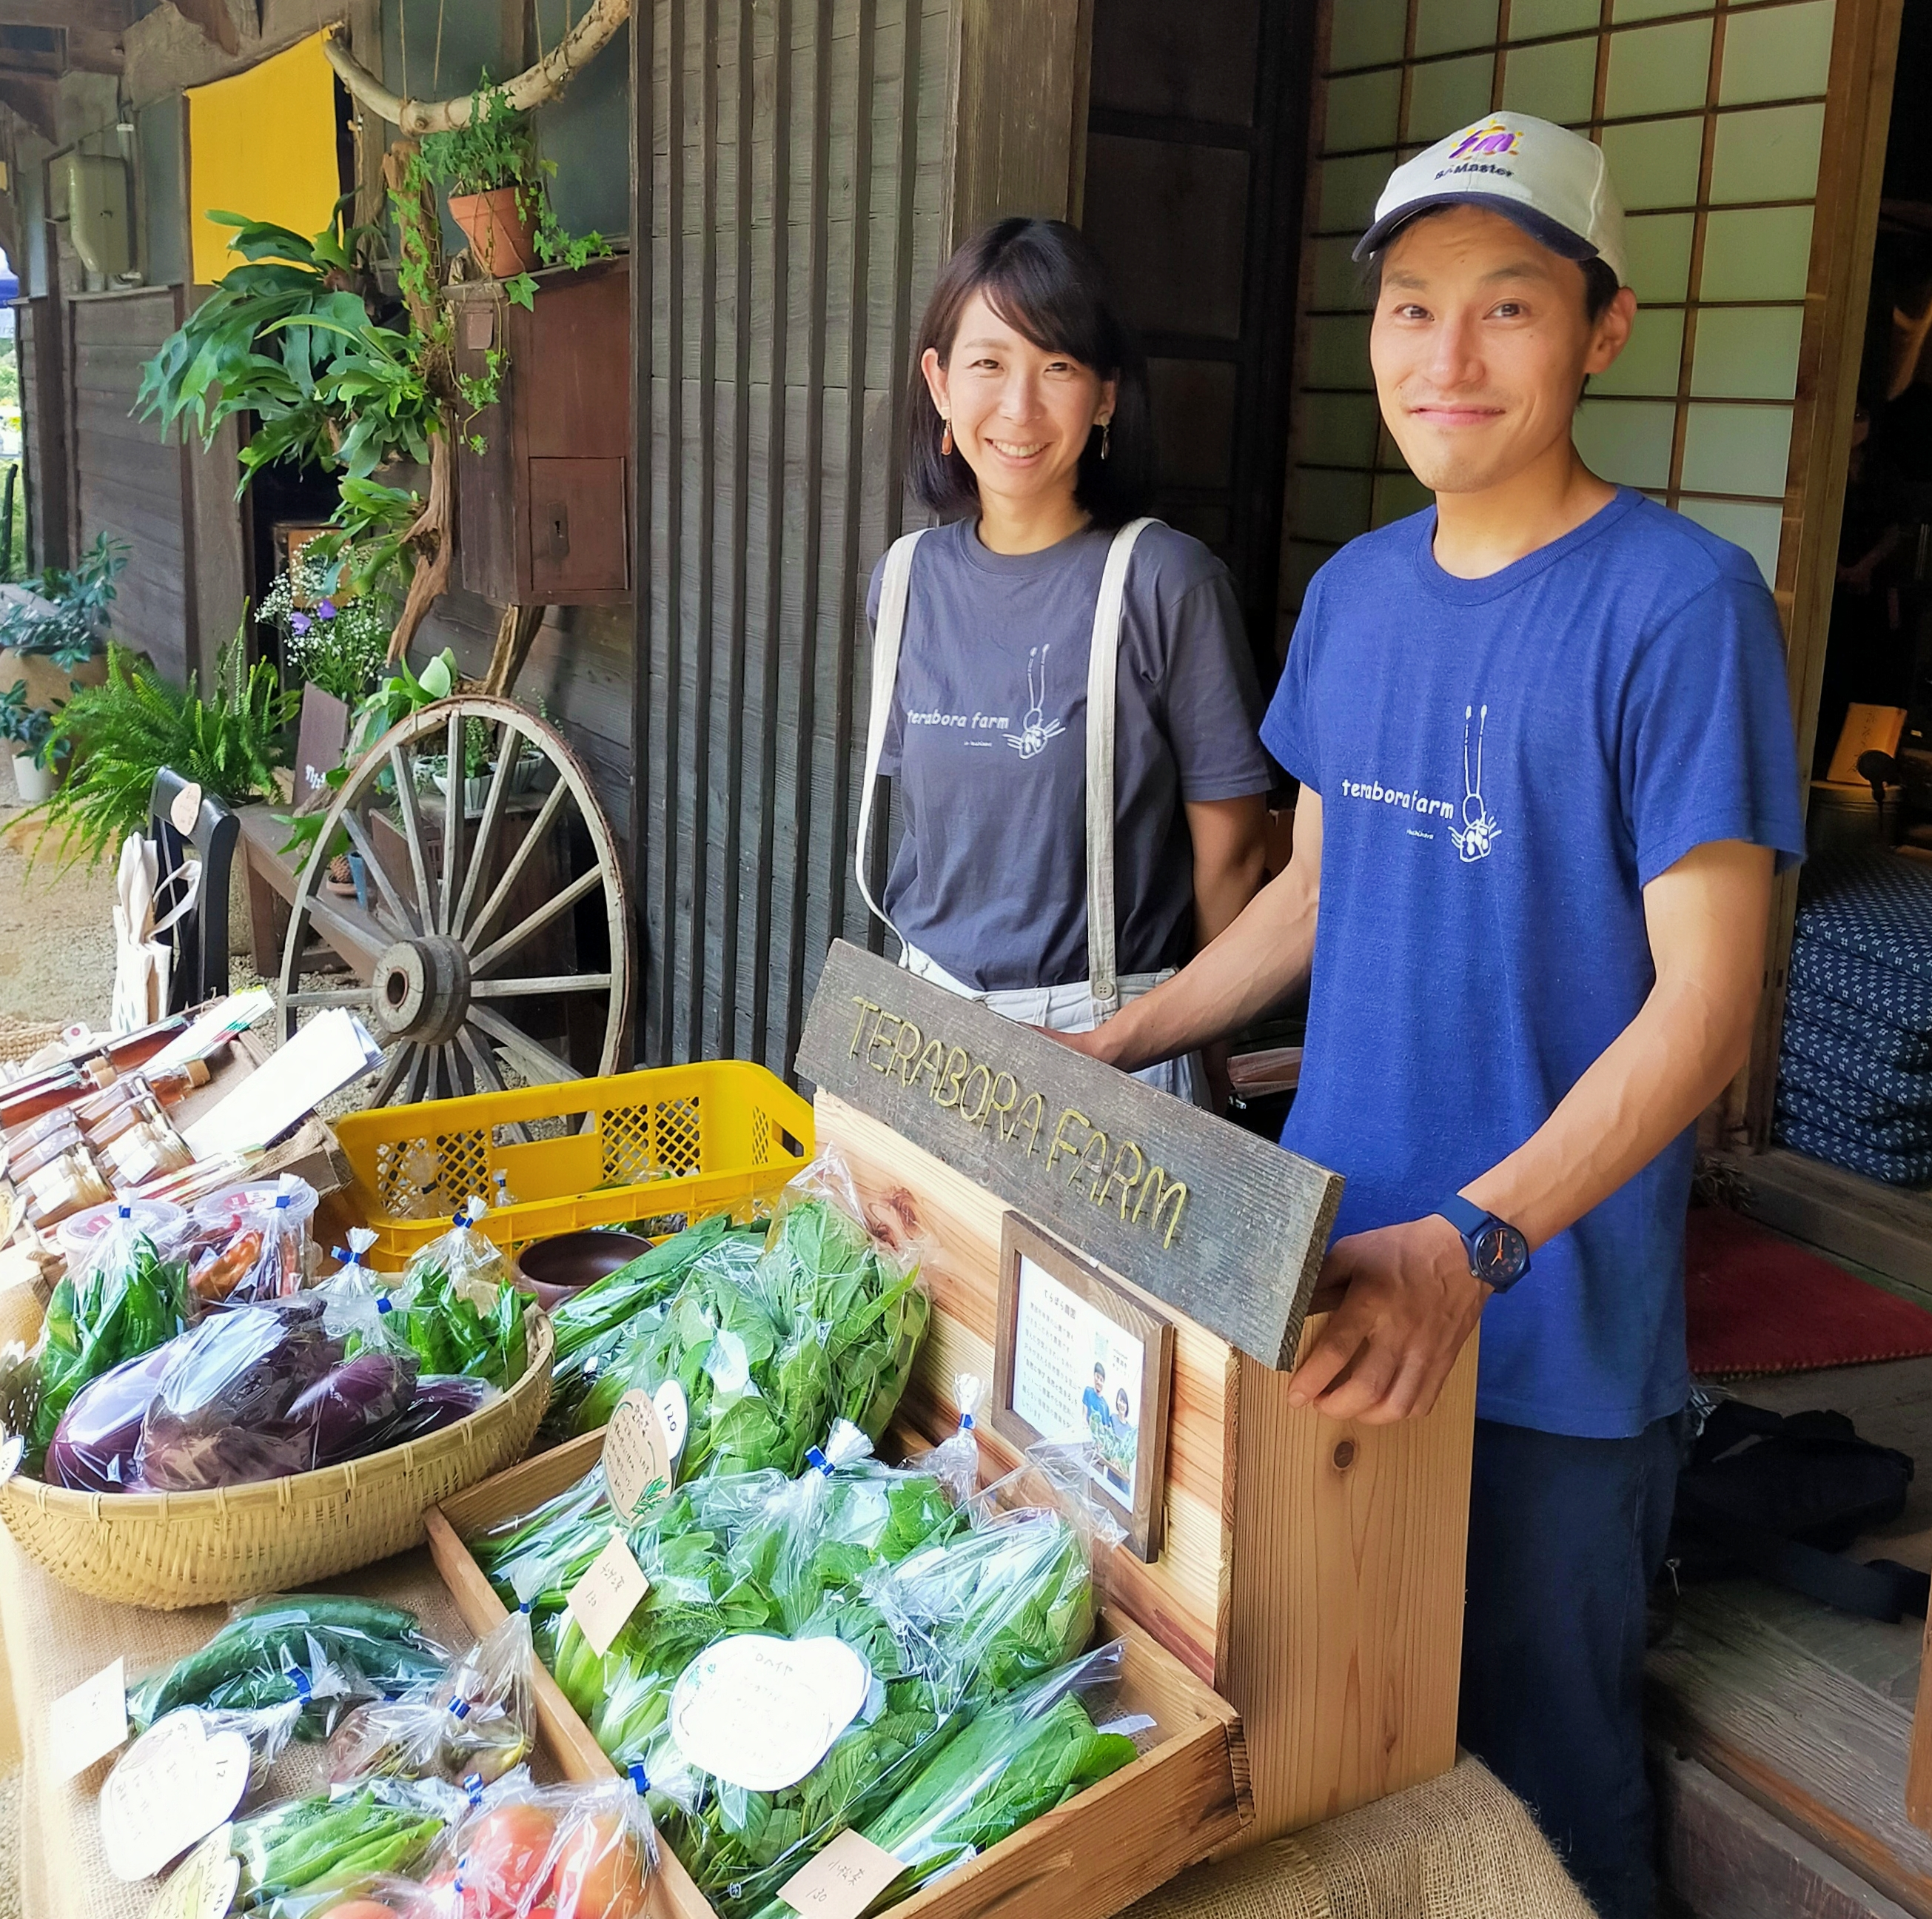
(1113, 1424)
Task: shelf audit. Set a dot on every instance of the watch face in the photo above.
(1501, 1255)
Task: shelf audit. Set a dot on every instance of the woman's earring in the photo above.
(1104, 436)
(946, 440)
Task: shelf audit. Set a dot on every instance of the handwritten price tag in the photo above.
(608, 1594)
(638, 1455)
(204, 1887)
(843, 1880)
(175, 1784)
(89, 1722)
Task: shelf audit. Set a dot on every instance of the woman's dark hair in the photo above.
(1040, 277)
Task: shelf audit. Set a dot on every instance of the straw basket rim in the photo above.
(392, 1462)
(170, 1549)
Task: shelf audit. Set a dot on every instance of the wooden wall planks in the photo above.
(798, 163)
(127, 483)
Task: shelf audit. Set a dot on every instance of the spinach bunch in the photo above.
(1018, 1758)
(124, 1302)
(449, 1334)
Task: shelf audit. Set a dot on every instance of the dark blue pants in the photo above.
(1565, 1536)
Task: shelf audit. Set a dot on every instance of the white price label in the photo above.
(608, 1594)
(638, 1456)
(843, 1880)
(760, 1711)
(204, 1886)
(675, 1413)
(175, 1784)
(89, 1722)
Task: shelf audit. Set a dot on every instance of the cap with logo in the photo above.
(1554, 184)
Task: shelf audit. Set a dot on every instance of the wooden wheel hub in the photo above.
(421, 990)
(462, 945)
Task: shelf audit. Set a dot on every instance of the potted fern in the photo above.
(122, 733)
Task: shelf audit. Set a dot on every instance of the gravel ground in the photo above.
(56, 933)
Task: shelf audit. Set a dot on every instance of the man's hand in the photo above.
(1405, 1302)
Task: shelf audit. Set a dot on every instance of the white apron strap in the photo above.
(894, 590)
(1102, 674)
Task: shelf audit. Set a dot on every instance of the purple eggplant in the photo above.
(93, 1448)
(352, 1408)
(441, 1399)
(222, 1415)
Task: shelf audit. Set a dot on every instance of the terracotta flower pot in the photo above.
(499, 236)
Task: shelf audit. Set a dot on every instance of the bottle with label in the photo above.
(49, 1092)
(167, 1087)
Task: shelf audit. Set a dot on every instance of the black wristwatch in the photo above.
(1498, 1254)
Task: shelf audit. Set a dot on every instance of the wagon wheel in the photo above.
(454, 934)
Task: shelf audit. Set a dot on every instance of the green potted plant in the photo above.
(489, 165)
(29, 730)
(53, 634)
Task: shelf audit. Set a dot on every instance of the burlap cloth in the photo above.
(56, 1637)
(1459, 1848)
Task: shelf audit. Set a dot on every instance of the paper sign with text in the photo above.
(638, 1455)
(89, 1722)
(760, 1711)
(608, 1594)
(204, 1886)
(843, 1880)
(175, 1784)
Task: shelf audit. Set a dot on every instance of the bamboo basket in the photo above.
(166, 1551)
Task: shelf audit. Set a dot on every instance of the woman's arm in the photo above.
(1230, 855)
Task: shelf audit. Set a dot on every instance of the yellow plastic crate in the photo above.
(670, 1139)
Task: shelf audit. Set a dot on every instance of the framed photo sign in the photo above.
(1076, 1357)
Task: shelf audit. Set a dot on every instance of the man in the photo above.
(1546, 764)
(1093, 1401)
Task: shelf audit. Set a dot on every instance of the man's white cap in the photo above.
(1554, 184)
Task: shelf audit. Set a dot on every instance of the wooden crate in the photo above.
(1312, 1570)
(1117, 1840)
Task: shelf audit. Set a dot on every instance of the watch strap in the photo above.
(1465, 1216)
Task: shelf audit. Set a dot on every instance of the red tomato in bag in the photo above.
(503, 1860)
(600, 1872)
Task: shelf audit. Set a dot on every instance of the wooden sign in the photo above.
(1214, 1221)
(1076, 1356)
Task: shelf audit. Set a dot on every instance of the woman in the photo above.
(1061, 688)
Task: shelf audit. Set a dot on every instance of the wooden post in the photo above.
(1851, 168)
(1017, 138)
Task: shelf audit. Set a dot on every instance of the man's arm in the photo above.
(1407, 1301)
(1255, 963)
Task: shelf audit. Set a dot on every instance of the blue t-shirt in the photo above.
(1504, 763)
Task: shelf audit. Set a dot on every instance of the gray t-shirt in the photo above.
(987, 741)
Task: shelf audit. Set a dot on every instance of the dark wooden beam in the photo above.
(110, 16)
(216, 22)
(94, 52)
(33, 100)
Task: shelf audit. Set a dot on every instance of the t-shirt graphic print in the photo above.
(987, 746)
(1503, 764)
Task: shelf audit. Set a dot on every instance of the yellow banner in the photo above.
(262, 143)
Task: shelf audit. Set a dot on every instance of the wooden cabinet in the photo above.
(543, 510)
